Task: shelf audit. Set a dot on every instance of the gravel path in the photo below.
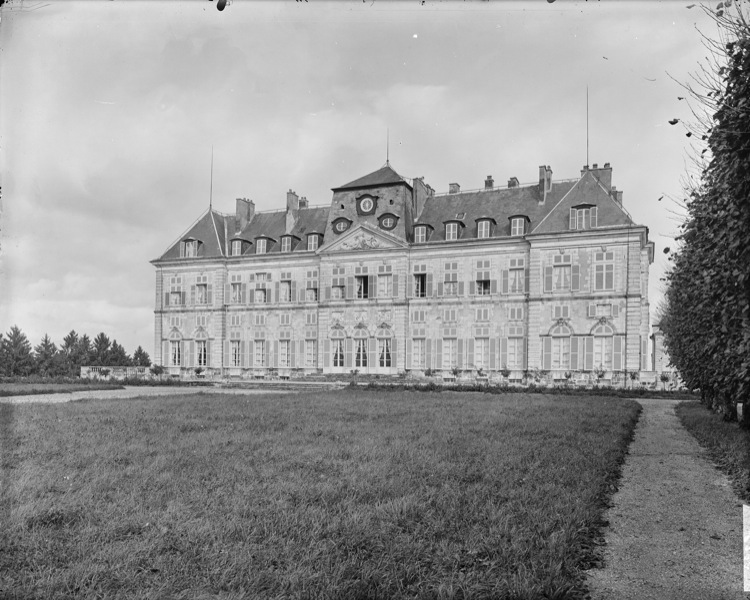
(134, 392)
(676, 525)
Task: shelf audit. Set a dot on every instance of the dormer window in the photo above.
(583, 216)
(340, 225)
(312, 241)
(236, 247)
(189, 248)
(484, 228)
(388, 221)
(420, 234)
(286, 244)
(517, 226)
(451, 231)
(261, 246)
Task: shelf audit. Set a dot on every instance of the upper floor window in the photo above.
(604, 271)
(341, 224)
(420, 234)
(189, 248)
(583, 217)
(483, 229)
(236, 247)
(363, 286)
(451, 231)
(517, 226)
(286, 244)
(388, 221)
(312, 241)
(261, 246)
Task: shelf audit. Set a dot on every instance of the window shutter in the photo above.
(394, 351)
(470, 354)
(440, 288)
(505, 281)
(250, 296)
(326, 353)
(472, 288)
(576, 278)
(243, 293)
(208, 353)
(328, 292)
(182, 249)
(348, 343)
(166, 299)
(293, 296)
(460, 288)
(226, 354)
(182, 298)
(574, 353)
(644, 354)
(460, 354)
(503, 353)
(395, 286)
(191, 354)
(438, 353)
(428, 354)
(547, 353)
(227, 294)
(372, 286)
(292, 353)
(617, 361)
(349, 289)
(409, 347)
(430, 289)
(209, 295)
(192, 294)
(572, 224)
(373, 353)
(276, 287)
(493, 358)
(593, 216)
(409, 286)
(493, 286)
(243, 353)
(267, 353)
(526, 280)
(588, 361)
(548, 279)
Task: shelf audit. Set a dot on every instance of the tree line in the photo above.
(18, 358)
(707, 318)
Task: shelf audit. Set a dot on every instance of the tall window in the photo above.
(483, 278)
(483, 229)
(260, 297)
(418, 353)
(420, 285)
(337, 292)
(603, 341)
(191, 248)
(236, 293)
(360, 357)
(515, 353)
(604, 271)
(450, 286)
(286, 244)
(260, 353)
(516, 276)
(285, 291)
(517, 226)
(451, 231)
(201, 293)
(236, 247)
(311, 295)
(449, 353)
(420, 234)
(312, 241)
(175, 353)
(561, 347)
(384, 352)
(338, 352)
(260, 246)
(311, 355)
(361, 282)
(561, 272)
(385, 286)
(235, 353)
(284, 353)
(481, 353)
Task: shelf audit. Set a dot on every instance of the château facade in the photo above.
(391, 277)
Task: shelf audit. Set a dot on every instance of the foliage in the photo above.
(707, 316)
(141, 358)
(17, 357)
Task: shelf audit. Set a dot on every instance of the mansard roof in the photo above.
(499, 204)
(382, 177)
(209, 230)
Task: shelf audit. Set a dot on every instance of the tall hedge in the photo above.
(707, 318)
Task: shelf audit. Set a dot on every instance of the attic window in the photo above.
(286, 244)
(517, 226)
(261, 246)
(451, 231)
(236, 247)
(483, 228)
(388, 221)
(189, 248)
(583, 216)
(340, 225)
(420, 234)
(312, 241)
(460, 215)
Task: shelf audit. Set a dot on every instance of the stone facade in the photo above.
(549, 278)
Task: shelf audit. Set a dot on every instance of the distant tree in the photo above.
(17, 356)
(84, 351)
(101, 349)
(141, 358)
(44, 357)
(69, 354)
(117, 356)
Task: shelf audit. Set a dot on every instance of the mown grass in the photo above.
(727, 444)
(351, 494)
(30, 389)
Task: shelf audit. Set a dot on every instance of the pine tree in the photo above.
(141, 358)
(44, 357)
(117, 356)
(17, 354)
(101, 350)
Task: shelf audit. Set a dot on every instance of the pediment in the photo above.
(362, 237)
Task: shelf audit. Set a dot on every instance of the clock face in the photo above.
(366, 205)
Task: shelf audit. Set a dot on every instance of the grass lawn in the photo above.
(29, 389)
(350, 494)
(726, 443)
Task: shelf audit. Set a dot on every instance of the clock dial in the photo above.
(366, 205)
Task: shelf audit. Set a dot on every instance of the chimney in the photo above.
(303, 202)
(244, 213)
(292, 201)
(545, 181)
(454, 188)
(618, 196)
(513, 182)
(603, 174)
(489, 183)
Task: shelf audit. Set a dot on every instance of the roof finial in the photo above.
(387, 147)
(211, 192)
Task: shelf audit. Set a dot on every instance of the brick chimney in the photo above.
(513, 182)
(545, 181)
(489, 183)
(603, 174)
(292, 207)
(454, 188)
(303, 203)
(245, 212)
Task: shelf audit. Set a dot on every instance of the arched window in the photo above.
(360, 347)
(603, 346)
(337, 342)
(201, 348)
(175, 348)
(556, 348)
(384, 336)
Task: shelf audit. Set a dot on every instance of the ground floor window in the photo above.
(360, 358)
(561, 352)
(515, 353)
(201, 349)
(449, 353)
(284, 353)
(235, 353)
(384, 352)
(338, 353)
(311, 354)
(481, 353)
(603, 352)
(175, 353)
(260, 353)
(418, 354)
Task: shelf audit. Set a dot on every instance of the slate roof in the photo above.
(382, 177)
(273, 225)
(499, 204)
(209, 229)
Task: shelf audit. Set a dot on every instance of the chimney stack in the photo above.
(303, 203)
(513, 182)
(292, 201)
(489, 183)
(454, 188)
(245, 212)
(603, 174)
(545, 181)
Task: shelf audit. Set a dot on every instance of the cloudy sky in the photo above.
(109, 109)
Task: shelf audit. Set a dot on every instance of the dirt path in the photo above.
(676, 525)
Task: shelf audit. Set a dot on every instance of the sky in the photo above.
(109, 111)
